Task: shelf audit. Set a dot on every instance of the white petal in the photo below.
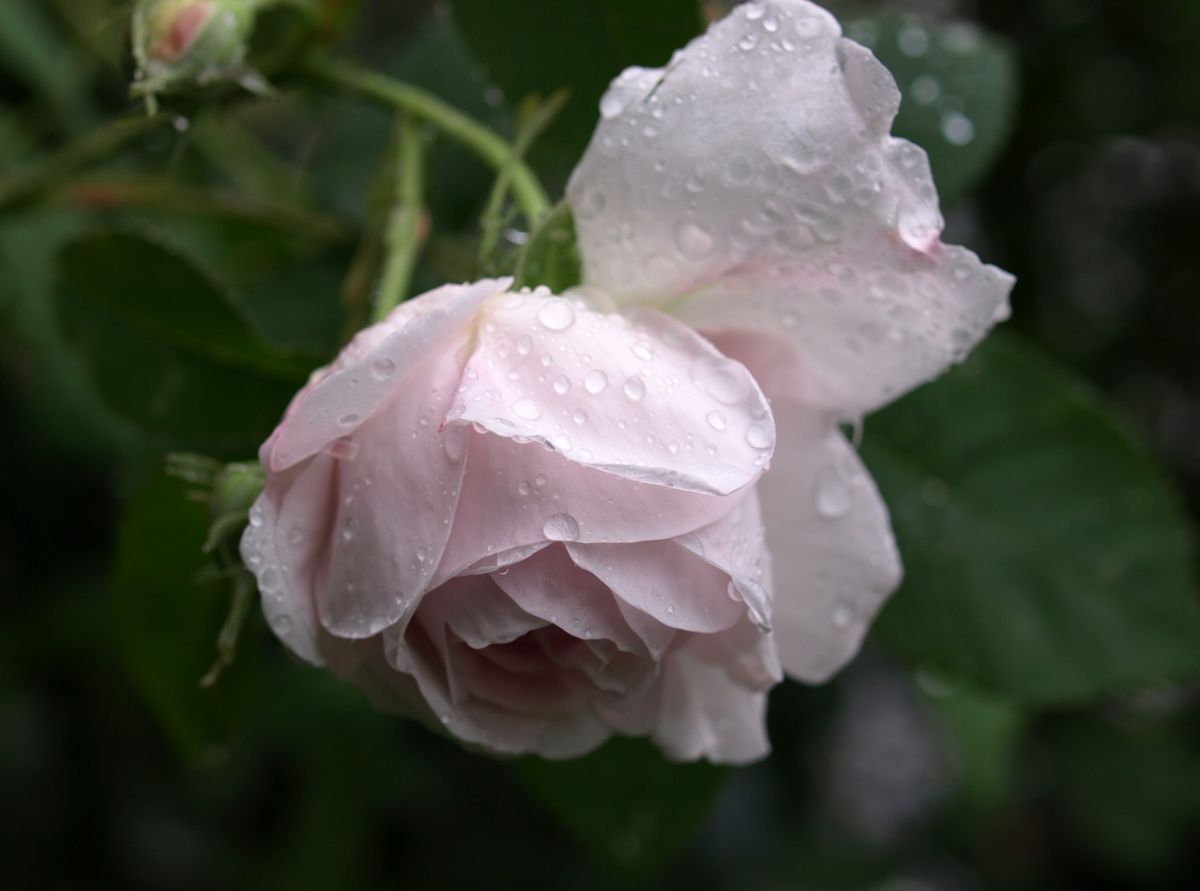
(752, 184)
(736, 544)
(663, 580)
(834, 556)
(706, 714)
(643, 397)
(371, 369)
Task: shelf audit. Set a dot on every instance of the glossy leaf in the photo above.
(167, 348)
(1045, 557)
(959, 88)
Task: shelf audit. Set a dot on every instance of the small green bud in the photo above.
(180, 44)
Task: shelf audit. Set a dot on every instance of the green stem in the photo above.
(487, 145)
(527, 134)
(26, 184)
(403, 237)
(231, 630)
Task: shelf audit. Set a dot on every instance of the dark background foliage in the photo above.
(1026, 714)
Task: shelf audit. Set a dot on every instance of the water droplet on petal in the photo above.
(634, 388)
(721, 378)
(843, 615)
(716, 420)
(382, 368)
(611, 106)
(527, 410)
(561, 527)
(595, 381)
(758, 437)
(348, 420)
(643, 351)
(556, 315)
(693, 241)
(833, 498)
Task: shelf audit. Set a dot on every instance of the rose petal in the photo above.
(736, 545)
(644, 397)
(706, 714)
(478, 612)
(397, 489)
(371, 369)
(664, 580)
(517, 497)
(549, 585)
(834, 556)
(752, 184)
(282, 545)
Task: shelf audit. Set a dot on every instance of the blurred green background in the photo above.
(1026, 714)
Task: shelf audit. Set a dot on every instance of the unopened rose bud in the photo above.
(189, 43)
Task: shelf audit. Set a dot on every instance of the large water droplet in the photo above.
(721, 378)
(758, 437)
(595, 381)
(561, 527)
(634, 388)
(611, 106)
(833, 498)
(527, 410)
(843, 615)
(382, 368)
(643, 351)
(716, 420)
(693, 241)
(562, 384)
(556, 315)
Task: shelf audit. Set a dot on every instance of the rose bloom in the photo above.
(536, 521)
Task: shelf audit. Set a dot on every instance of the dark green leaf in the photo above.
(167, 348)
(169, 607)
(1045, 558)
(551, 256)
(625, 802)
(541, 46)
(959, 86)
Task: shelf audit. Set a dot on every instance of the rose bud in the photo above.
(530, 523)
(180, 44)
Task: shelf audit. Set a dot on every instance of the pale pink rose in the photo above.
(531, 522)
(539, 524)
(751, 188)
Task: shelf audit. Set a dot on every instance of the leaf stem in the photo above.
(402, 239)
(26, 184)
(539, 119)
(489, 146)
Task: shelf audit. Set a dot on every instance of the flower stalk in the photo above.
(487, 145)
(403, 236)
